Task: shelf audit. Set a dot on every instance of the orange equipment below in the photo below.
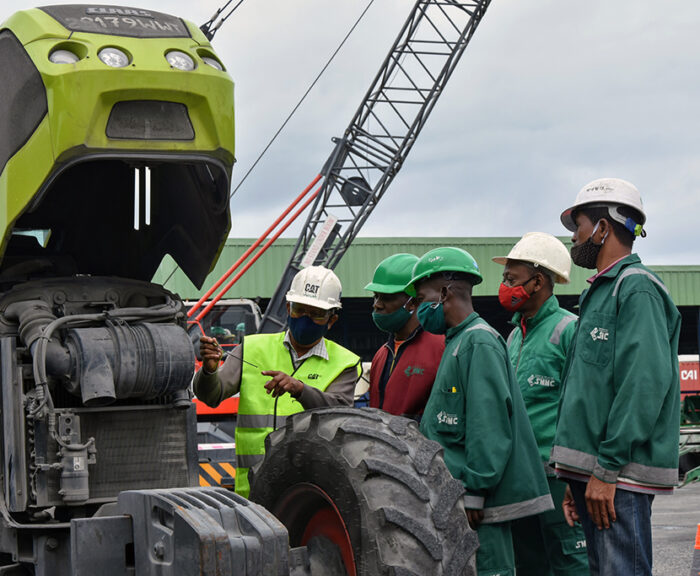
(228, 406)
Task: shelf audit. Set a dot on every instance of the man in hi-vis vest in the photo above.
(281, 374)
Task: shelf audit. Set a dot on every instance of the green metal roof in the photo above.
(357, 266)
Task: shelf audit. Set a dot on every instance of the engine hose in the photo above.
(39, 360)
(122, 315)
(57, 438)
(165, 311)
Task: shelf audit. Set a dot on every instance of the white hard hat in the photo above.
(541, 249)
(610, 192)
(316, 286)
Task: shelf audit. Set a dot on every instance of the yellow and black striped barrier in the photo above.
(217, 474)
(217, 464)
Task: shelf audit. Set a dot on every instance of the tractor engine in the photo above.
(117, 149)
(91, 370)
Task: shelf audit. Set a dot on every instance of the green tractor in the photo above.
(117, 148)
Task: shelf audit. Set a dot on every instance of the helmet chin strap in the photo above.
(595, 229)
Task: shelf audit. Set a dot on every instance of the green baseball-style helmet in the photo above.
(393, 274)
(446, 259)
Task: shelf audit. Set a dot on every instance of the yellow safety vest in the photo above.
(256, 408)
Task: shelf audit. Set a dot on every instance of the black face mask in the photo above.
(305, 331)
(585, 255)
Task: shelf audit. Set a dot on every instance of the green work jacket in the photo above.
(257, 415)
(619, 411)
(538, 354)
(475, 411)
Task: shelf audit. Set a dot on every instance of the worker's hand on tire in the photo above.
(281, 383)
(569, 508)
(475, 517)
(211, 353)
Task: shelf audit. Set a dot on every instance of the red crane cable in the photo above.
(260, 252)
(247, 253)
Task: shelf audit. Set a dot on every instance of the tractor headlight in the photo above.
(63, 57)
(180, 60)
(212, 62)
(113, 57)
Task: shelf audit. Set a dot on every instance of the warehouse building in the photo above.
(356, 329)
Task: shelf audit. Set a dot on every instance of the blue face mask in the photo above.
(432, 317)
(391, 322)
(305, 331)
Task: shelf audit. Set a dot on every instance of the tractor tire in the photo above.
(370, 486)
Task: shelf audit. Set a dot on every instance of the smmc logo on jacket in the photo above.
(599, 334)
(449, 419)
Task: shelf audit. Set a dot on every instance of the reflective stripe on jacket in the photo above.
(257, 415)
(477, 414)
(618, 417)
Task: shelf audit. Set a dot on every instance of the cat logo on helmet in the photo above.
(316, 286)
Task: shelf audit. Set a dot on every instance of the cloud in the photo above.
(548, 96)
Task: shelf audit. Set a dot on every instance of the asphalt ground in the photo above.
(674, 521)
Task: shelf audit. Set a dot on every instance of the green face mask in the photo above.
(432, 317)
(391, 322)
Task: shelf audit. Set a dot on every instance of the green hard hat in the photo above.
(446, 259)
(393, 274)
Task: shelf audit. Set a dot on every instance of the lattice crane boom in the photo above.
(380, 135)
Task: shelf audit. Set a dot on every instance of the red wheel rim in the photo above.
(308, 512)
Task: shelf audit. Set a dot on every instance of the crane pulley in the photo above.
(211, 26)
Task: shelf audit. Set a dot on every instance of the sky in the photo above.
(549, 95)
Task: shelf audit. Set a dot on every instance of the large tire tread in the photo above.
(400, 475)
(402, 508)
(420, 532)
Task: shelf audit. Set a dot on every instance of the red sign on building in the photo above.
(690, 377)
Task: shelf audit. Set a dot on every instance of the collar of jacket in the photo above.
(617, 268)
(319, 349)
(549, 306)
(390, 342)
(452, 332)
(610, 274)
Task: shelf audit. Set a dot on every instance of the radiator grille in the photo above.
(136, 450)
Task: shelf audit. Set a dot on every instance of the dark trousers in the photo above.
(624, 549)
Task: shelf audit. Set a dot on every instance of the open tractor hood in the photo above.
(117, 151)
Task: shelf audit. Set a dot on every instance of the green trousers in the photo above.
(545, 545)
(495, 554)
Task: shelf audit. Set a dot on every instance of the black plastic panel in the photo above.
(149, 120)
(22, 97)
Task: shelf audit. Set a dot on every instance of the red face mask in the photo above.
(513, 297)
